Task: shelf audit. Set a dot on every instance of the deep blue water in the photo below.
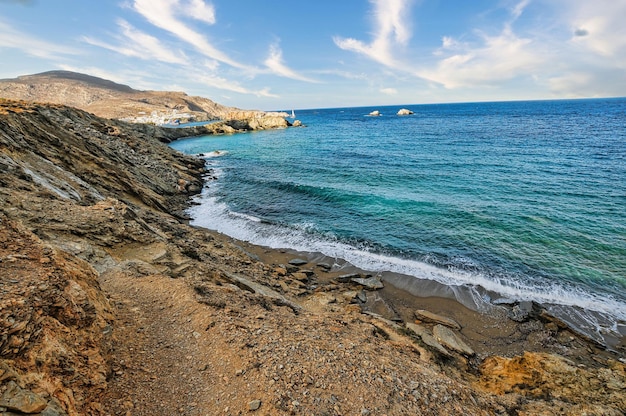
(527, 199)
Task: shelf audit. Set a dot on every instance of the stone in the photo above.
(22, 400)
(405, 112)
(427, 316)
(324, 266)
(345, 278)
(451, 340)
(254, 405)
(427, 338)
(297, 262)
(375, 113)
(524, 311)
(297, 123)
(302, 277)
(370, 283)
(361, 296)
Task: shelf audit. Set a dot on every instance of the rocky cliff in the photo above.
(111, 304)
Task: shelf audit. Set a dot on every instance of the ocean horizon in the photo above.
(517, 200)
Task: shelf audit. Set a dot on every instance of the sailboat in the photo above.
(293, 115)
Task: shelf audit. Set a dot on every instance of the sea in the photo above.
(500, 201)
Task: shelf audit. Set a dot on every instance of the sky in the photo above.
(274, 55)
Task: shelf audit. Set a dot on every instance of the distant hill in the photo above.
(108, 99)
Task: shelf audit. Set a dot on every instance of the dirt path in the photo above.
(163, 362)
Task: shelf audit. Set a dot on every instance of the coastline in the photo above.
(490, 331)
(113, 304)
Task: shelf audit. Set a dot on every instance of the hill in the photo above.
(108, 99)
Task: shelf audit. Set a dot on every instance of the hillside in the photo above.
(109, 99)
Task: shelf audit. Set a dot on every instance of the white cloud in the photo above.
(489, 61)
(140, 45)
(389, 91)
(275, 63)
(599, 27)
(163, 14)
(15, 39)
(497, 58)
(391, 29)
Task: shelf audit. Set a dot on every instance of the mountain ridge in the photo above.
(109, 99)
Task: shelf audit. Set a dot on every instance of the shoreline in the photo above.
(490, 331)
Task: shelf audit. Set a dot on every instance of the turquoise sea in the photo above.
(516, 200)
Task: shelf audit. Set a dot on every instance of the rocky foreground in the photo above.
(110, 304)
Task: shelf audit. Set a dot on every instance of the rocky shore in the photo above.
(111, 304)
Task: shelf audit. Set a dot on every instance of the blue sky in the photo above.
(269, 54)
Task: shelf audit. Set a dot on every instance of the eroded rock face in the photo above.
(575, 389)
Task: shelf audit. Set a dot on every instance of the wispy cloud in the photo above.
(275, 63)
(497, 58)
(165, 14)
(15, 39)
(135, 43)
(391, 29)
(488, 61)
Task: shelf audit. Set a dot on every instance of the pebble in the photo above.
(254, 405)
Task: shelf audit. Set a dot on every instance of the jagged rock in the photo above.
(427, 338)
(405, 112)
(427, 316)
(345, 278)
(370, 283)
(297, 123)
(524, 311)
(21, 400)
(451, 340)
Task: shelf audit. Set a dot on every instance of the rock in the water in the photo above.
(427, 338)
(297, 123)
(451, 340)
(405, 112)
(370, 283)
(426, 316)
(524, 311)
(375, 113)
(18, 399)
(297, 262)
(254, 405)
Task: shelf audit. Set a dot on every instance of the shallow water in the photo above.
(525, 199)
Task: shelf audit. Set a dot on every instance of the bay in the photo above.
(525, 200)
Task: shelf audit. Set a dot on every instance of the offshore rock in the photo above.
(405, 112)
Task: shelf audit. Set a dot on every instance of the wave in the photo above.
(597, 314)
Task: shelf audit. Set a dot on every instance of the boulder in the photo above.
(427, 338)
(451, 340)
(370, 283)
(20, 400)
(405, 112)
(375, 113)
(426, 316)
